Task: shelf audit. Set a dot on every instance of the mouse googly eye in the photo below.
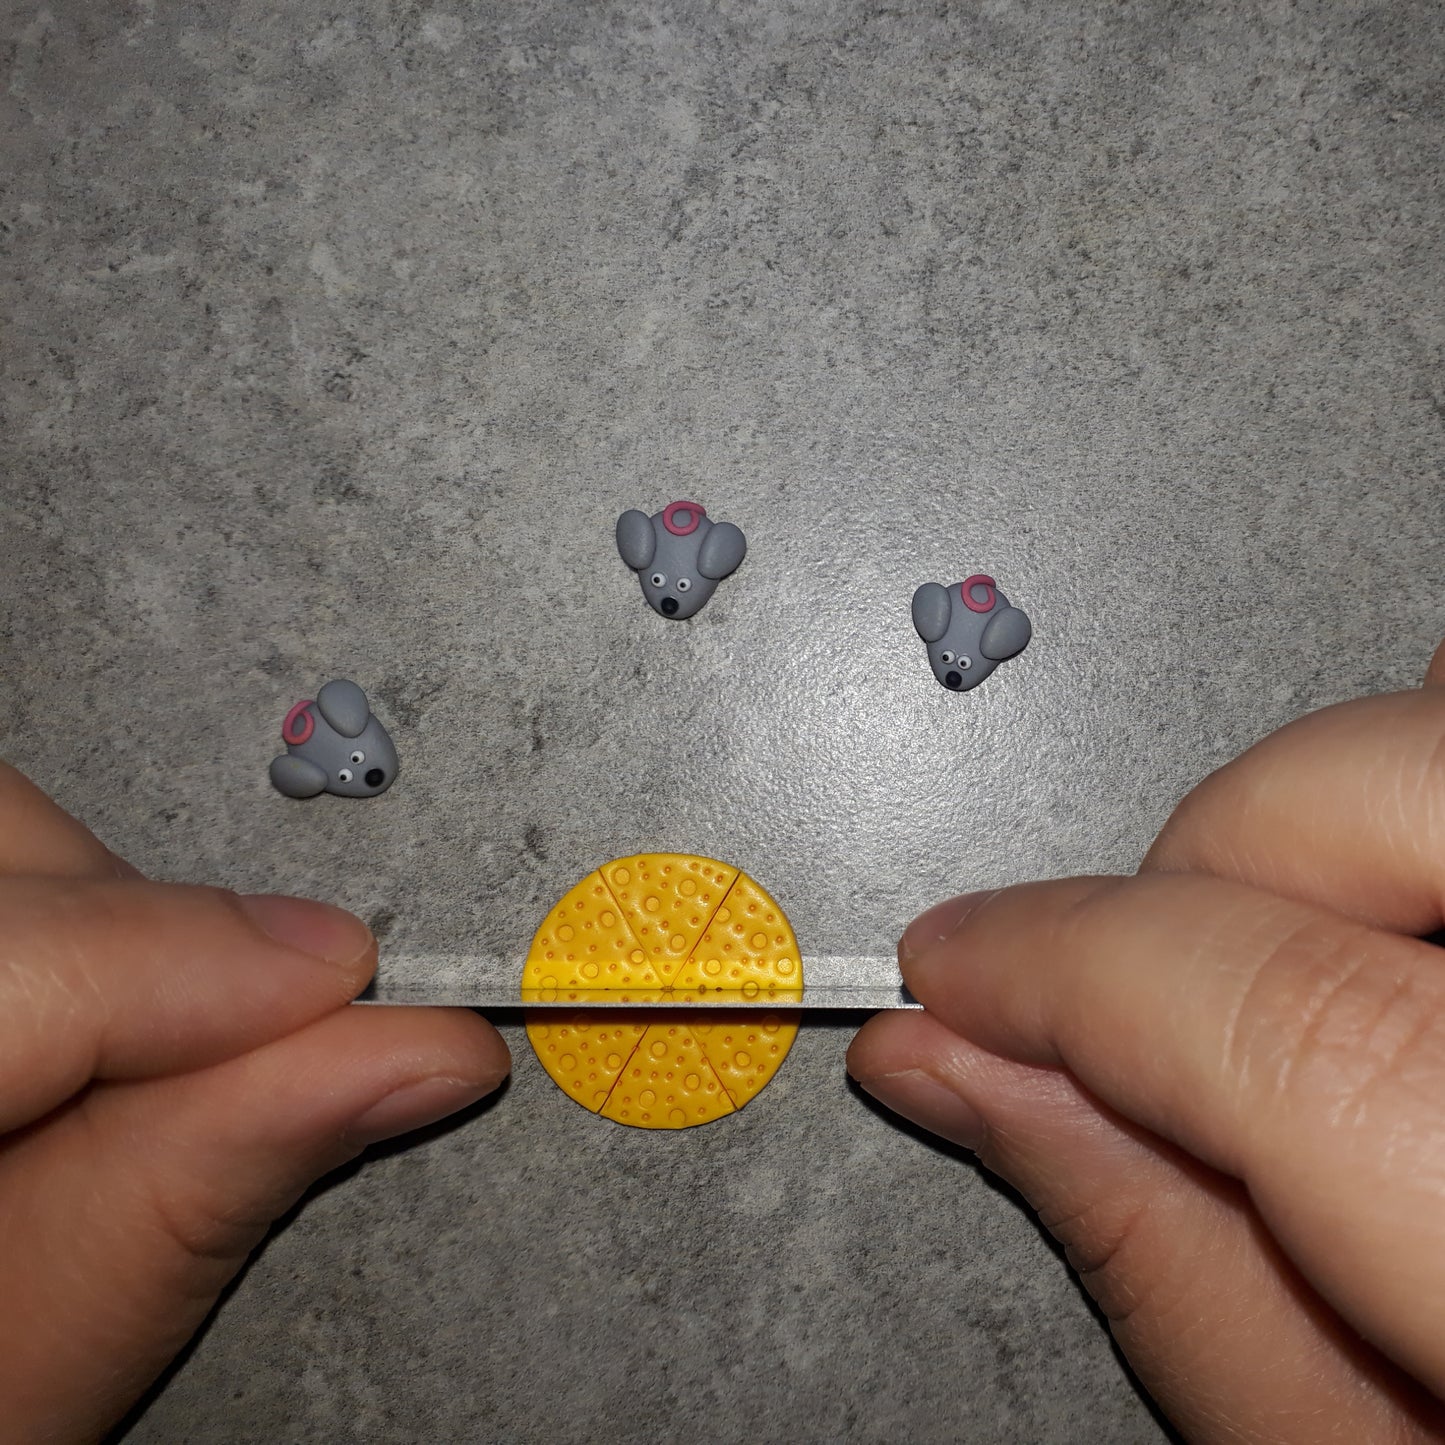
(658, 579)
(358, 757)
(684, 584)
(945, 657)
(965, 663)
(344, 776)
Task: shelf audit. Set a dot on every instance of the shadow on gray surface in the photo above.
(834, 1021)
(1006, 1191)
(320, 1188)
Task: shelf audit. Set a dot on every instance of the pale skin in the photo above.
(1221, 1083)
(176, 1067)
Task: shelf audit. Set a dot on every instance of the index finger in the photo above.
(124, 980)
(1297, 1050)
(1341, 808)
(39, 839)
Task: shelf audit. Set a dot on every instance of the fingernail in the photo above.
(939, 922)
(412, 1107)
(330, 934)
(933, 1106)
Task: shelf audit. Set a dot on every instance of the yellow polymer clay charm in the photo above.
(664, 927)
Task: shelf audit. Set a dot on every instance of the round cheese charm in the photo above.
(664, 928)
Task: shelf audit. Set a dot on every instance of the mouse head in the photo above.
(969, 628)
(679, 555)
(334, 745)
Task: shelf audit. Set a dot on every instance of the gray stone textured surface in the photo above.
(335, 339)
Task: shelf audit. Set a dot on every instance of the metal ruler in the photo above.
(468, 981)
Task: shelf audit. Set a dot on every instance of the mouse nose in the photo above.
(669, 605)
(953, 679)
(375, 777)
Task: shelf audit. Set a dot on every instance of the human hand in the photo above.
(177, 1065)
(1221, 1083)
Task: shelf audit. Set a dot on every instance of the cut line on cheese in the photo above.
(747, 946)
(744, 1048)
(650, 928)
(585, 942)
(669, 900)
(586, 1052)
(668, 1082)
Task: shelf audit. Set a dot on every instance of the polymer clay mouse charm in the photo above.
(334, 745)
(969, 628)
(679, 555)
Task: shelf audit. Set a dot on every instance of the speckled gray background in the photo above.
(336, 337)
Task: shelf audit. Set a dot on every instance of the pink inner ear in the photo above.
(669, 518)
(978, 580)
(290, 731)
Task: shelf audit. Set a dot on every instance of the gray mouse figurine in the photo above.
(334, 745)
(679, 555)
(970, 628)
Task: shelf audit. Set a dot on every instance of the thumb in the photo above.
(1215, 1320)
(126, 1214)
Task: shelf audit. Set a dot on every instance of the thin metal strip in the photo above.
(468, 981)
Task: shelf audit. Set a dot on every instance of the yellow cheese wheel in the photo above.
(659, 927)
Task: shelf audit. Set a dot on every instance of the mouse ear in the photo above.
(722, 551)
(1006, 634)
(931, 611)
(296, 777)
(344, 706)
(636, 539)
